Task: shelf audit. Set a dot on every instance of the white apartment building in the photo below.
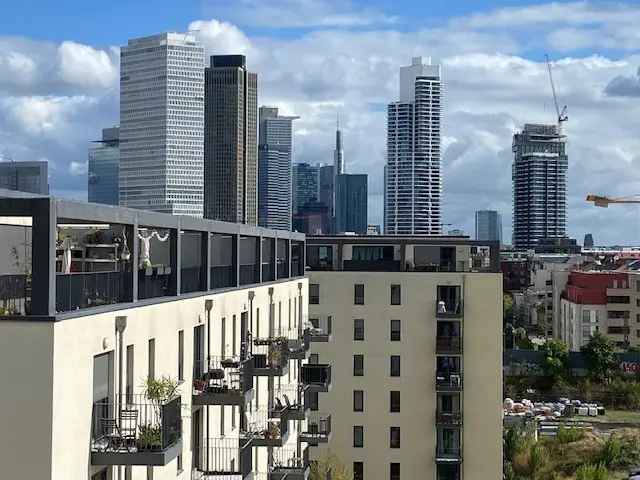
(97, 300)
(413, 180)
(415, 324)
(162, 124)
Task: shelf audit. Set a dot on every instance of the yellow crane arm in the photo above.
(602, 201)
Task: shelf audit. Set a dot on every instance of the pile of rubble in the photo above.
(564, 407)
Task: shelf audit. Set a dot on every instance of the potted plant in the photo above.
(150, 438)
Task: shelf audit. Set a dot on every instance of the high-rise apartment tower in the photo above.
(488, 225)
(104, 164)
(539, 185)
(413, 182)
(161, 124)
(231, 143)
(275, 152)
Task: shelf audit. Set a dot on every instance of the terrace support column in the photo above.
(135, 267)
(260, 277)
(43, 257)
(206, 244)
(176, 253)
(236, 258)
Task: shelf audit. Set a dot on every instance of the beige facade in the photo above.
(51, 373)
(422, 343)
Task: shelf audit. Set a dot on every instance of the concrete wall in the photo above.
(482, 362)
(26, 376)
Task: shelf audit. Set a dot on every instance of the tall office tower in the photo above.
(488, 225)
(413, 184)
(351, 203)
(161, 124)
(415, 326)
(588, 240)
(230, 340)
(539, 185)
(326, 186)
(104, 164)
(30, 177)
(338, 164)
(275, 153)
(304, 185)
(231, 143)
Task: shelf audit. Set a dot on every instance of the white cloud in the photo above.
(220, 38)
(85, 66)
(298, 13)
(78, 168)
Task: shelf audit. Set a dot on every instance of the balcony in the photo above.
(448, 454)
(224, 381)
(447, 344)
(136, 431)
(448, 382)
(263, 431)
(317, 430)
(449, 418)
(299, 347)
(271, 360)
(319, 333)
(316, 377)
(15, 294)
(76, 291)
(449, 303)
(228, 458)
(289, 404)
(289, 465)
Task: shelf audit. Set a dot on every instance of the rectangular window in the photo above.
(395, 330)
(129, 386)
(396, 295)
(358, 365)
(180, 354)
(394, 471)
(179, 464)
(314, 294)
(358, 436)
(358, 471)
(395, 366)
(152, 359)
(394, 401)
(394, 437)
(358, 329)
(358, 401)
(358, 294)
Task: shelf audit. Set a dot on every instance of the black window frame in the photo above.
(358, 436)
(393, 365)
(358, 470)
(358, 329)
(358, 372)
(314, 297)
(395, 335)
(358, 299)
(394, 401)
(358, 400)
(397, 298)
(394, 475)
(394, 437)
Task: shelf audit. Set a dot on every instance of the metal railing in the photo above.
(219, 374)
(287, 458)
(316, 374)
(75, 291)
(222, 276)
(448, 344)
(191, 280)
(154, 282)
(449, 418)
(283, 269)
(448, 452)
(261, 425)
(222, 456)
(274, 355)
(318, 425)
(134, 424)
(449, 380)
(15, 294)
(446, 309)
(249, 274)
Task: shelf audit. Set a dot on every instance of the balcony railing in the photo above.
(263, 431)
(249, 274)
(15, 295)
(449, 418)
(289, 464)
(448, 453)
(222, 381)
(75, 291)
(135, 431)
(321, 333)
(318, 428)
(222, 276)
(448, 344)
(191, 280)
(448, 310)
(317, 377)
(283, 269)
(448, 382)
(154, 282)
(289, 403)
(271, 359)
(225, 457)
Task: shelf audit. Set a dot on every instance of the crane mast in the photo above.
(562, 114)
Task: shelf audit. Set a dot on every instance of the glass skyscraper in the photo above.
(488, 225)
(104, 163)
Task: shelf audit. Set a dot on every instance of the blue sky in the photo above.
(59, 71)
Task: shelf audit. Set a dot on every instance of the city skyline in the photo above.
(63, 91)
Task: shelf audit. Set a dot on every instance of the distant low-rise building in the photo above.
(30, 177)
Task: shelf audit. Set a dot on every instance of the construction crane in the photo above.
(602, 201)
(562, 114)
